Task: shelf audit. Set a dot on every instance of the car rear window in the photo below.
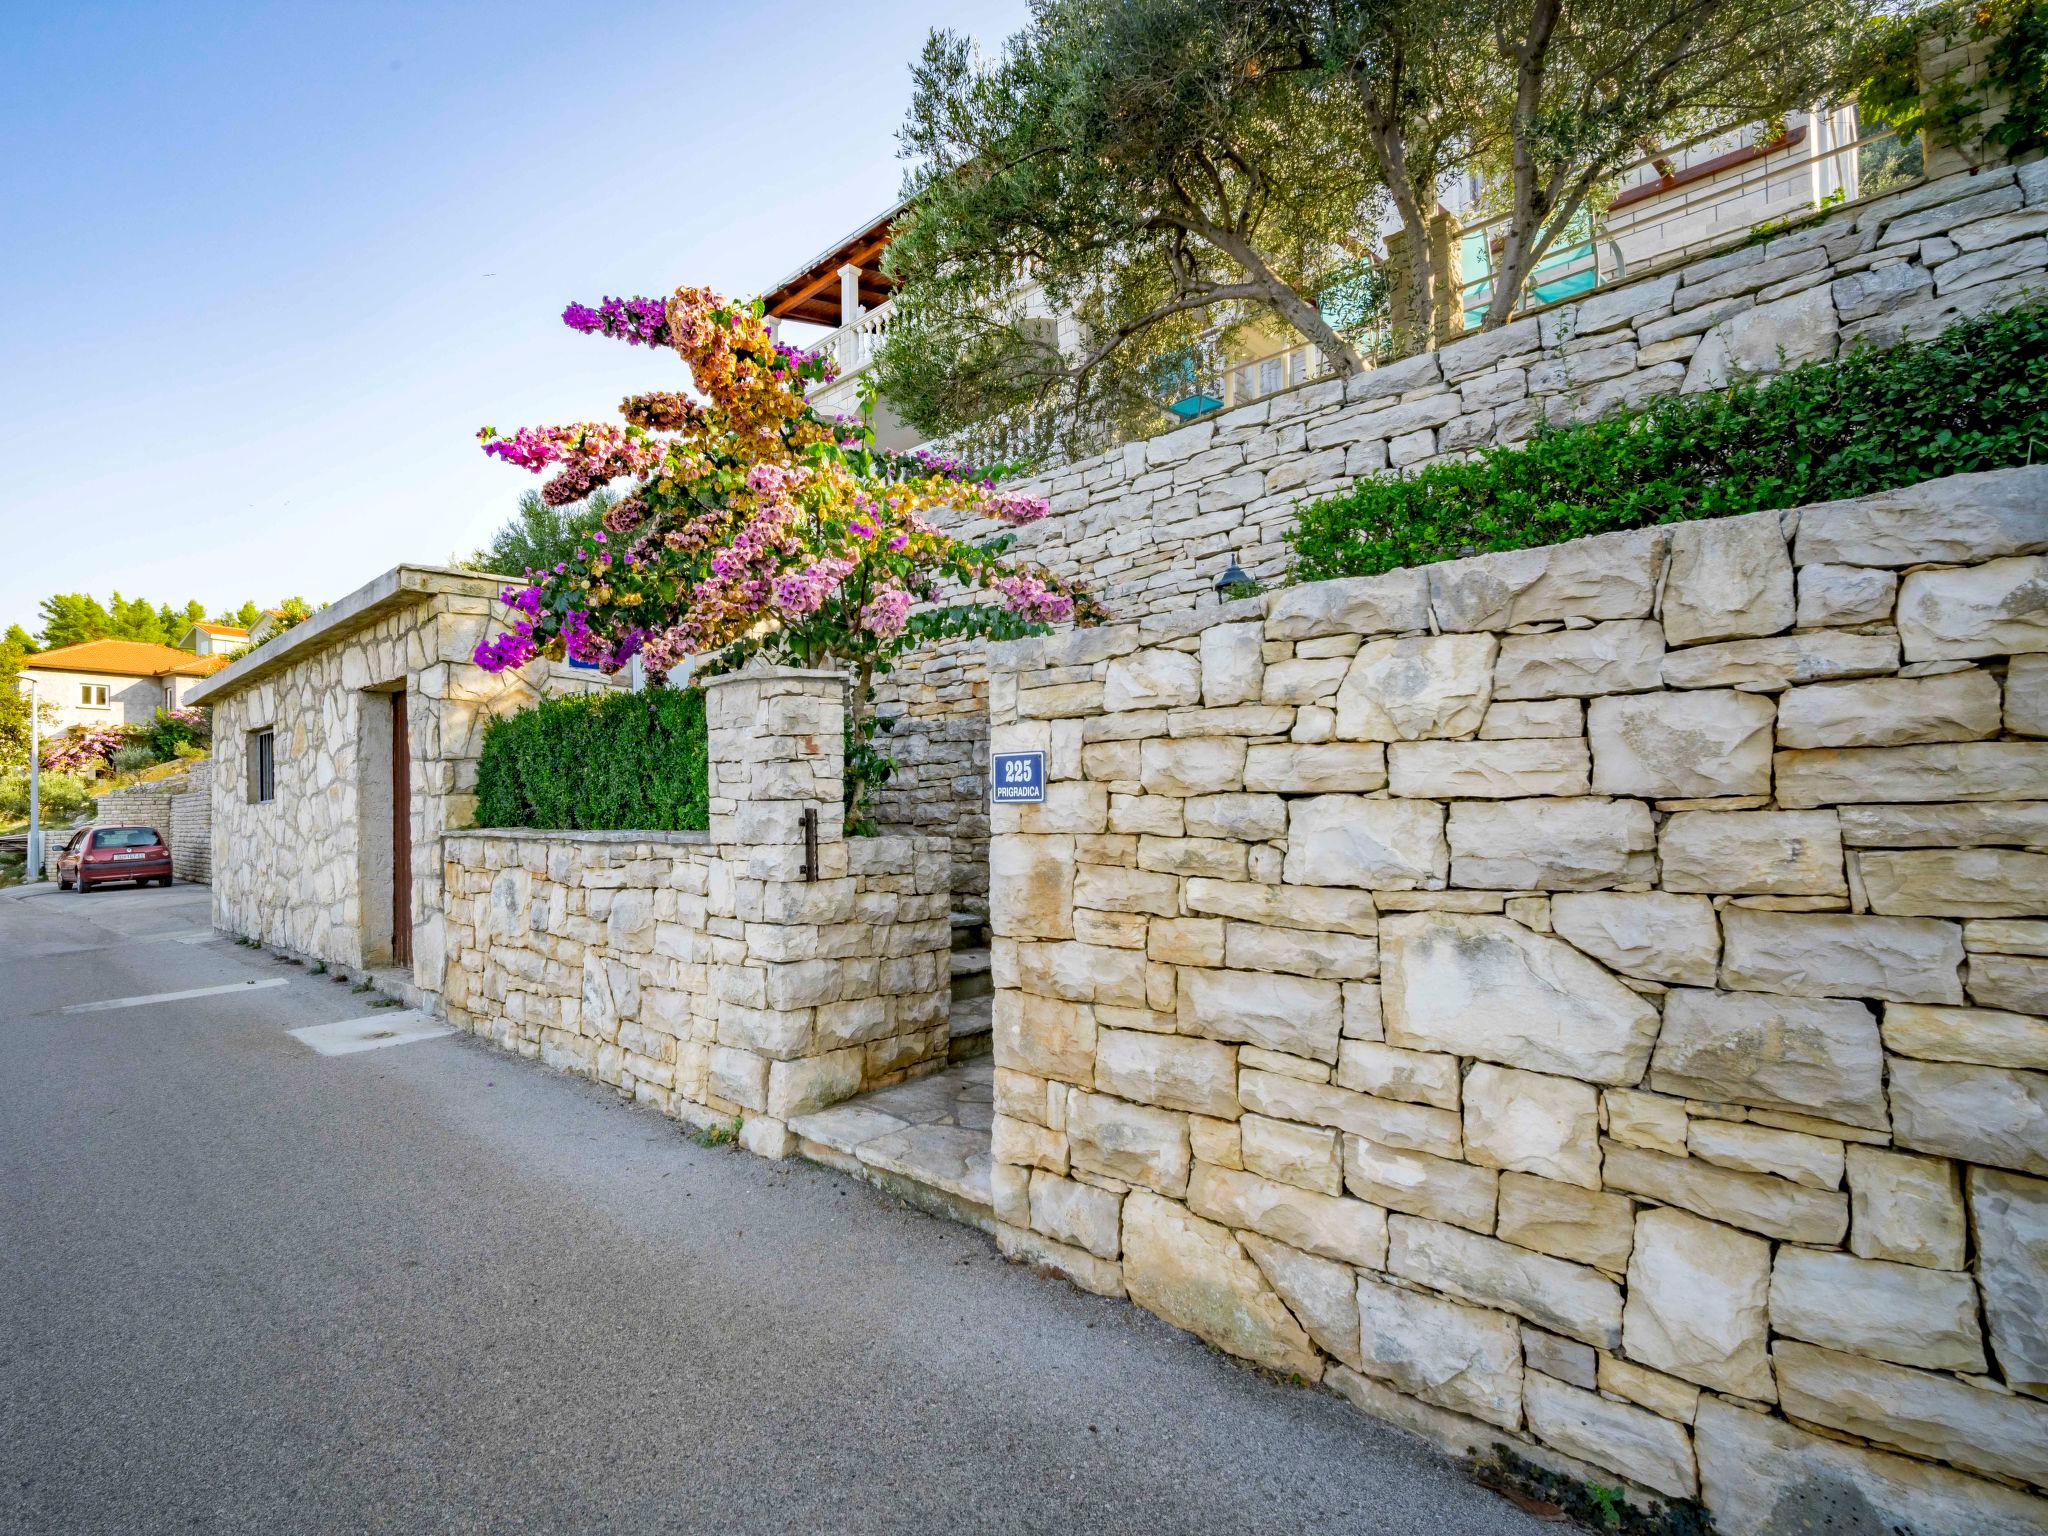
(125, 837)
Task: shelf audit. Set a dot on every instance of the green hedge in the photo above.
(600, 762)
(1975, 398)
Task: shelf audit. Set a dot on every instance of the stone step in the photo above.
(925, 1141)
(971, 974)
(970, 1023)
(970, 930)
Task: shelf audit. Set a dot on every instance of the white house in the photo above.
(115, 682)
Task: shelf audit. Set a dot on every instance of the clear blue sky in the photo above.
(264, 269)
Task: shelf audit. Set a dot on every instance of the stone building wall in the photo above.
(1151, 525)
(1592, 999)
(703, 973)
(309, 870)
(192, 825)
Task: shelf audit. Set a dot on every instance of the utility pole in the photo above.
(35, 783)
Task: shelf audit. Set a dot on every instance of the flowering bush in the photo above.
(757, 524)
(91, 749)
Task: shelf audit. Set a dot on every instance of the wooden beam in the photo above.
(784, 307)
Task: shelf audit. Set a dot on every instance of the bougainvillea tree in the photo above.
(757, 525)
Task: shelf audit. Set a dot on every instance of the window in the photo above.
(94, 694)
(126, 837)
(262, 766)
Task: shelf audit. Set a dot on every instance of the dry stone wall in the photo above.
(1591, 998)
(1151, 525)
(192, 826)
(704, 973)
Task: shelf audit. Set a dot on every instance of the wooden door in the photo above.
(401, 835)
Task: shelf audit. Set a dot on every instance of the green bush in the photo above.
(1975, 398)
(599, 762)
(64, 797)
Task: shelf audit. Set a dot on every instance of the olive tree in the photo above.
(1127, 181)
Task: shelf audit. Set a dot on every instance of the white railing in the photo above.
(853, 347)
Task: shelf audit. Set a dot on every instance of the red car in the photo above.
(103, 855)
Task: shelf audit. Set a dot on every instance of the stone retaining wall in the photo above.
(703, 973)
(1593, 999)
(1151, 525)
(192, 825)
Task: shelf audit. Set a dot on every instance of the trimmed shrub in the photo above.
(1975, 398)
(599, 762)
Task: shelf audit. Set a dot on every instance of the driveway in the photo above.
(427, 1286)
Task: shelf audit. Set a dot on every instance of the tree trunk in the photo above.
(1292, 307)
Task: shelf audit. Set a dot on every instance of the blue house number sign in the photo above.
(1018, 778)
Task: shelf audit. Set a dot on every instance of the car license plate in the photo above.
(131, 856)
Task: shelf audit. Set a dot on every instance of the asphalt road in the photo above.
(245, 1287)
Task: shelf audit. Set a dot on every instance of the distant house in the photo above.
(116, 682)
(271, 623)
(205, 639)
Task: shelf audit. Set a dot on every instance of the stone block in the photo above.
(1565, 1221)
(1406, 1127)
(1315, 909)
(1023, 1144)
(1780, 661)
(1303, 679)
(1031, 885)
(1421, 1185)
(1819, 1057)
(1646, 1120)
(1979, 1114)
(1728, 578)
(1830, 954)
(1329, 956)
(1467, 1359)
(1152, 679)
(1478, 985)
(1233, 664)
(1424, 686)
(1192, 765)
(1905, 1208)
(1551, 1293)
(1891, 711)
(2015, 982)
(1698, 1303)
(1814, 1161)
(1376, 844)
(1079, 1215)
(1168, 1070)
(1131, 1142)
(1321, 1293)
(1022, 1245)
(1336, 768)
(1988, 1037)
(1664, 1395)
(1903, 1313)
(1297, 1015)
(1329, 1226)
(1488, 770)
(2010, 1214)
(1045, 1036)
(1644, 1447)
(1994, 609)
(1532, 717)
(1610, 576)
(1194, 1274)
(1960, 519)
(1777, 853)
(1957, 771)
(1564, 1360)
(1681, 745)
(2026, 696)
(1553, 845)
(1915, 1411)
(1765, 339)
(1621, 656)
(1359, 605)
(1775, 1207)
(1418, 1077)
(812, 1082)
(1650, 934)
(1110, 888)
(1956, 882)
(1531, 1122)
(1845, 594)
(1763, 1477)
(1242, 817)
(1304, 1156)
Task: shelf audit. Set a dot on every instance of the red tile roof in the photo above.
(123, 658)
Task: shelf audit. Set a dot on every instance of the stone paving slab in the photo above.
(931, 1132)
